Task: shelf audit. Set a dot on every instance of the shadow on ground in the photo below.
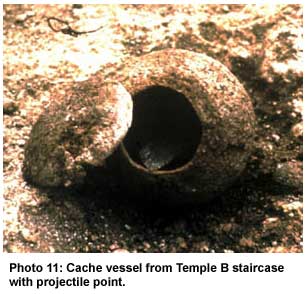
(101, 216)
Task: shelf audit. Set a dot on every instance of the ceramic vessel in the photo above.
(191, 134)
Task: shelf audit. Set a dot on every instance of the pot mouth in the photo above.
(165, 132)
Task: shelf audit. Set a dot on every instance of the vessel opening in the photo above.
(165, 130)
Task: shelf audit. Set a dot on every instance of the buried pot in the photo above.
(187, 137)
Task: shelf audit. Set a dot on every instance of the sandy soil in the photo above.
(262, 46)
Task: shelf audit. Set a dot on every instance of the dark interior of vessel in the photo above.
(165, 131)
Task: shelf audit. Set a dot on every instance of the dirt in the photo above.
(261, 45)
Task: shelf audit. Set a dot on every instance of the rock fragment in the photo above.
(9, 106)
(297, 130)
(290, 174)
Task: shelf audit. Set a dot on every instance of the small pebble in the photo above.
(113, 247)
(29, 236)
(146, 245)
(127, 227)
(94, 237)
(203, 247)
(182, 243)
(270, 222)
(21, 142)
(51, 249)
(226, 227)
(247, 242)
(228, 251)
(297, 130)
(276, 137)
(293, 206)
(9, 106)
(290, 174)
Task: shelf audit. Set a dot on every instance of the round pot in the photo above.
(192, 130)
(191, 134)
